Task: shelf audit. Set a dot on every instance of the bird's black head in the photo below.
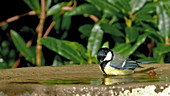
(104, 54)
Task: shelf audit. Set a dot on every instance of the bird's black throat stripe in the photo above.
(103, 64)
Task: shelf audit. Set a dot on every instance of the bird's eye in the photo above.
(100, 57)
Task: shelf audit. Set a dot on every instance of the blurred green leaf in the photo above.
(33, 4)
(48, 4)
(55, 1)
(144, 58)
(4, 44)
(7, 55)
(153, 32)
(137, 4)
(57, 61)
(164, 20)
(62, 24)
(123, 6)
(105, 45)
(64, 48)
(148, 8)
(167, 6)
(83, 9)
(121, 48)
(141, 39)
(56, 8)
(161, 49)
(104, 5)
(29, 3)
(145, 17)
(79, 48)
(132, 33)
(21, 46)
(95, 39)
(86, 29)
(127, 49)
(4, 27)
(27, 29)
(112, 29)
(58, 19)
(3, 65)
(66, 22)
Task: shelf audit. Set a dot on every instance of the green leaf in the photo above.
(144, 58)
(131, 33)
(62, 24)
(21, 46)
(164, 20)
(28, 2)
(55, 1)
(48, 4)
(161, 49)
(66, 22)
(5, 51)
(123, 5)
(137, 4)
(153, 32)
(167, 6)
(112, 29)
(121, 48)
(105, 45)
(56, 8)
(57, 61)
(148, 8)
(104, 5)
(33, 4)
(4, 27)
(83, 9)
(145, 17)
(64, 48)
(126, 49)
(79, 48)
(58, 19)
(95, 39)
(86, 29)
(141, 39)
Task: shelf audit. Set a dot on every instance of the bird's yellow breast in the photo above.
(112, 71)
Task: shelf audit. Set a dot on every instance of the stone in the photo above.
(84, 80)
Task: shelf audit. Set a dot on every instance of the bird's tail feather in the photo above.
(146, 62)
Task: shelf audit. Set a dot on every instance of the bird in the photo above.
(112, 63)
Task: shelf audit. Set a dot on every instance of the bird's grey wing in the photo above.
(117, 61)
(130, 64)
(127, 64)
(120, 62)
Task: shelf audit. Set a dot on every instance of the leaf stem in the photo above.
(49, 28)
(162, 60)
(39, 31)
(167, 40)
(14, 18)
(67, 7)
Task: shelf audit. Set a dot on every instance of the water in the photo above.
(112, 80)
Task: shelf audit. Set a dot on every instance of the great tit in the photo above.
(112, 63)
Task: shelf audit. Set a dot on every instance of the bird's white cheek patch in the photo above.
(108, 56)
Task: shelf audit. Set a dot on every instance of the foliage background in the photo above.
(57, 32)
